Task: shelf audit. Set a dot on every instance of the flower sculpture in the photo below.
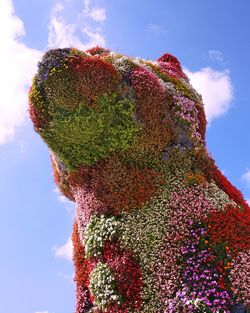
(158, 228)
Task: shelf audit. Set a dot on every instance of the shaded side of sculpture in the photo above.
(158, 228)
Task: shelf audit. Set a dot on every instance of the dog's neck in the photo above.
(117, 183)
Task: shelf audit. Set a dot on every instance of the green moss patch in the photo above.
(84, 135)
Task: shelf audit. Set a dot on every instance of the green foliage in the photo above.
(60, 88)
(143, 159)
(83, 135)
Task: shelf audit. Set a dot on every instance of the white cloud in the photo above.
(65, 251)
(246, 177)
(42, 312)
(156, 28)
(216, 55)
(63, 34)
(86, 4)
(60, 196)
(98, 14)
(18, 65)
(223, 171)
(95, 38)
(216, 90)
(248, 201)
(69, 205)
(68, 277)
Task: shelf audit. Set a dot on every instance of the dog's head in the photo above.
(88, 106)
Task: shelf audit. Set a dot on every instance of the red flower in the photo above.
(94, 76)
(128, 277)
(117, 185)
(98, 51)
(171, 66)
(231, 226)
(233, 193)
(83, 266)
(151, 108)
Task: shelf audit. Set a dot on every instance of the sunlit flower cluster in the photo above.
(99, 230)
(186, 110)
(102, 286)
(184, 208)
(240, 277)
(202, 274)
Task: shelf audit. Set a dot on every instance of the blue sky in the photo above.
(210, 38)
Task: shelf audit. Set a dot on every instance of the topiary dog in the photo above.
(158, 228)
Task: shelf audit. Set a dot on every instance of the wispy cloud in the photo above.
(86, 25)
(98, 14)
(86, 6)
(61, 197)
(69, 205)
(42, 312)
(65, 251)
(216, 55)
(156, 28)
(246, 177)
(216, 89)
(68, 277)
(62, 34)
(18, 65)
(223, 171)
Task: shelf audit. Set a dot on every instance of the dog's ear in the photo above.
(169, 58)
(171, 66)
